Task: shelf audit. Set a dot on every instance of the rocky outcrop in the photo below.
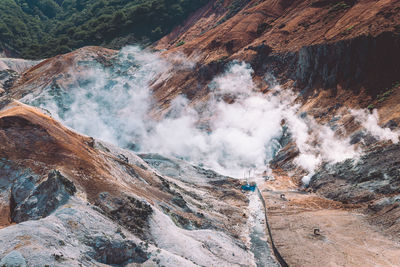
(7, 79)
(11, 69)
(374, 175)
(31, 200)
(372, 62)
(284, 157)
(16, 64)
(129, 212)
(72, 235)
(56, 72)
(115, 252)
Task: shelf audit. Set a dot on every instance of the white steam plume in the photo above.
(239, 135)
(113, 104)
(370, 122)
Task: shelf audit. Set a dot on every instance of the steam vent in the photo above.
(200, 133)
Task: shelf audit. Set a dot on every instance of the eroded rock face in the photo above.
(31, 202)
(375, 174)
(285, 156)
(110, 251)
(12, 176)
(371, 61)
(128, 211)
(7, 79)
(75, 234)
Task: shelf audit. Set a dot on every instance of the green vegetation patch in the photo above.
(387, 93)
(371, 107)
(339, 7)
(180, 43)
(44, 28)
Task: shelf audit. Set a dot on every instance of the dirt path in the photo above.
(345, 239)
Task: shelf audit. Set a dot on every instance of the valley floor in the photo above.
(345, 237)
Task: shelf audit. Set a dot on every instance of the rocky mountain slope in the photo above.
(314, 110)
(10, 70)
(317, 44)
(75, 200)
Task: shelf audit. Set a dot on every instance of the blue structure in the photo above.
(248, 187)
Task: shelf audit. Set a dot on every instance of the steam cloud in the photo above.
(370, 122)
(113, 104)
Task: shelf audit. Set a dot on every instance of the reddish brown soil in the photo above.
(282, 25)
(290, 24)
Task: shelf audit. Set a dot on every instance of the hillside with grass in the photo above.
(43, 28)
